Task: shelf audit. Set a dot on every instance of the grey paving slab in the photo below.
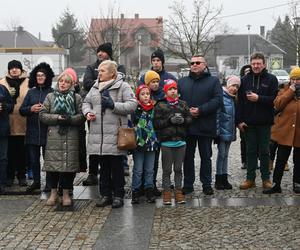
(127, 228)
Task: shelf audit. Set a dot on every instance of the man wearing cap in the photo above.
(255, 116)
(16, 82)
(204, 96)
(104, 52)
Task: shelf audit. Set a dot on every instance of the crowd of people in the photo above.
(170, 116)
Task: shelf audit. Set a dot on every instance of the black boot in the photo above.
(135, 197)
(273, 190)
(226, 184)
(91, 180)
(156, 191)
(117, 202)
(150, 195)
(219, 184)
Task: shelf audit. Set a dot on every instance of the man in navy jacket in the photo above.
(255, 115)
(204, 96)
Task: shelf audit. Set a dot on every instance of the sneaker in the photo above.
(247, 184)
(208, 191)
(273, 190)
(135, 197)
(167, 198)
(267, 184)
(187, 190)
(91, 180)
(104, 201)
(117, 202)
(179, 196)
(150, 195)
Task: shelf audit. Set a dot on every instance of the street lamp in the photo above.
(297, 25)
(248, 27)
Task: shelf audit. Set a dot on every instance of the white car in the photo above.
(281, 75)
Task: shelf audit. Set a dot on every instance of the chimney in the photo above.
(136, 16)
(20, 29)
(122, 16)
(40, 36)
(262, 31)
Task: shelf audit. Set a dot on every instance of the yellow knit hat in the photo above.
(150, 75)
(295, 73)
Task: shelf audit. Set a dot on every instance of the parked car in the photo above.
(282, 75)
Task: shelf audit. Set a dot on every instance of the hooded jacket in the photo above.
(36, 132)
(204, 92)
(265, 85)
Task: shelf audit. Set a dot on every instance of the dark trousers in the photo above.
(258, 137)
(111, 180)
(16, 157)
(65, 179)
(3, 160)
(156, 162)
(273, 149)
(93, 164)
(283, 154)
(34, 163)
(243, 147)
(205, 151)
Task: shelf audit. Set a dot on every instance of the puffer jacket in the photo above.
(102, 138)
(17, 122)
(7, 107)
(62, 151)
(286, 129)
(166, 131)
(36, 132)
(226, 118)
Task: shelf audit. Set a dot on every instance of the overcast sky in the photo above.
(39, 16)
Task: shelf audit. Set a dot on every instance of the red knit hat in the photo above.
(139, 89)
(169, 83)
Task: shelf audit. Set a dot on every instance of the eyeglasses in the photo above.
(40, 75)
(197, 63)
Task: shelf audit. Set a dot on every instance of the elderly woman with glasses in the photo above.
(287, 132)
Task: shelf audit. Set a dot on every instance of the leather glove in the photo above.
(65, 121)
(106, 100)
(12, 91)
(177, 119)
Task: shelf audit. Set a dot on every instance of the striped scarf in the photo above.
(64, 103)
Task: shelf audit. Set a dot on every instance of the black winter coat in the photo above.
(7, 107)
(164, 129)
(262, 111)
(36, 132)
(204, 92)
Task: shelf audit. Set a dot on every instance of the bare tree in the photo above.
(187, 34)
(110, 27)
(12, 24)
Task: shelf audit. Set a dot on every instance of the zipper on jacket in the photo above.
(102, 113)
(38, 120)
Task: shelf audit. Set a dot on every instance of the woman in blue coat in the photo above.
(40, 82)
(226, 131)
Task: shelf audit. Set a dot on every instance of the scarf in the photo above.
(64, 103)
(148, 106)
(15, 83)
(172, 101)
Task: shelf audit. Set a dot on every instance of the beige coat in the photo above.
(18, 122)
(286, 129)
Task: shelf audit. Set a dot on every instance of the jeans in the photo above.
(205, 151)
(111, 180)
(222, 158)
(143, 166)
(3, 160)
(172, 157)
(283, 154)
(34, 156)
(258, 137)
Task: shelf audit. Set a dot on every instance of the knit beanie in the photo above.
(150, 75)
(169, 83)
(71, 72)
(107, 48)
(295, 73)
(14, 64)
(160, 54)
(233, 80)
(139, 89)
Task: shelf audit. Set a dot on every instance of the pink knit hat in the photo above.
(233, 80)
(71, 72)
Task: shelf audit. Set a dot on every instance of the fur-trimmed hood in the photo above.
(42, 67)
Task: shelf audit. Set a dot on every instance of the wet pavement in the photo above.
(231, 219)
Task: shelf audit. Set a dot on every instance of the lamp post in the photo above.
(248, 27)
(297, 25)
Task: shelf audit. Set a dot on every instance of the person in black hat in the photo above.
(16, 82)
(157, 62)
(104, 52)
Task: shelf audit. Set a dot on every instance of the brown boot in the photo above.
(179, 196)
(271, 164)
(286, 167)
(167, 197)
(247, 184)
(66, 202)
(267, 184)
(53, 198)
